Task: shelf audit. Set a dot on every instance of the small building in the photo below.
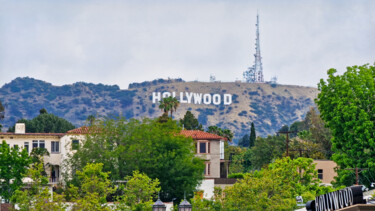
(326, 170)
(49, 141)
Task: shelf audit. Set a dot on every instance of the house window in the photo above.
(204, 147)
(26, 144)
(207, 169)
(75, 145)
(55, 146)
(40, 144)
(15, 146)
(320, 173)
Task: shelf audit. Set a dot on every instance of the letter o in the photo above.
(207, 99)
(216, 99)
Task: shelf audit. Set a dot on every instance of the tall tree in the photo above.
(169, 104)
(347, 105)
(253, 135)
(45, 123)
(190, 122)
(267, 149)
(13, 165)
(145, 145)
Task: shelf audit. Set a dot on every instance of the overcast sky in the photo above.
(120, 42)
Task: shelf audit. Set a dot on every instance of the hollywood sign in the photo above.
(195, 98)
(337, 199)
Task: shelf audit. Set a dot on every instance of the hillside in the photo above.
(268, 107)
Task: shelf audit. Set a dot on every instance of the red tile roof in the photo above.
(195, 134)
(201, 135)
(80, 130)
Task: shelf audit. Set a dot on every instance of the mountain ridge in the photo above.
(268, 106)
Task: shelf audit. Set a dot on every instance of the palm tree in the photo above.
(174, 104)
(165, 105)
(169, 104)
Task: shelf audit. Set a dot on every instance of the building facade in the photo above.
(61, 146)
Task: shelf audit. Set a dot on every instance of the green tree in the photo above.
(190, 122)
(94, 186)
(244, 141)
(38, 195)
(266, 150)
(43, 111)
(169, 104)
(13, 164)
(226, 133)
(91, 119)
(253, 135)
(153, 148)
(139, 192)
(347, 105)
(45, 123)
(241, 161)
(275, 187)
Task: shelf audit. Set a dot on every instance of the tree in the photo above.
(139, 191)
(347, 105)
(13, 164)
(190, 122)
(266, 150)
(94, 186)
(253, 135)
(91, 119)
(43, 111)
(153, 148)
(284, 128)
(45, 123)
(320, 134)
(241, 161)
(169, 104)
(275, 187)
(244, 141)
(226, 133)
(38, 196)
(37, 157)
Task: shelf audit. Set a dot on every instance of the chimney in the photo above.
(20, 128)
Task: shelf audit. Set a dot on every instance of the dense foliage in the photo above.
(347, 105)
(153, 148)
(274, 187)
(189, 122)
(45, 123)
(37, 196)
(13, 165)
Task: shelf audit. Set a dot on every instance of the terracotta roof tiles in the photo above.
(195, 134)
(201, 135)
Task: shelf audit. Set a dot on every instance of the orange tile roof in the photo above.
(201, 135)
(80, 130)
(195, 134)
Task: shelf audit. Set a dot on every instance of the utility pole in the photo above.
(300, 150)
(357, 171)
(287, 140)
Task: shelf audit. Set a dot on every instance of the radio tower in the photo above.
(254, 74)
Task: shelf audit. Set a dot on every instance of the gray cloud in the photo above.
(119, 42)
